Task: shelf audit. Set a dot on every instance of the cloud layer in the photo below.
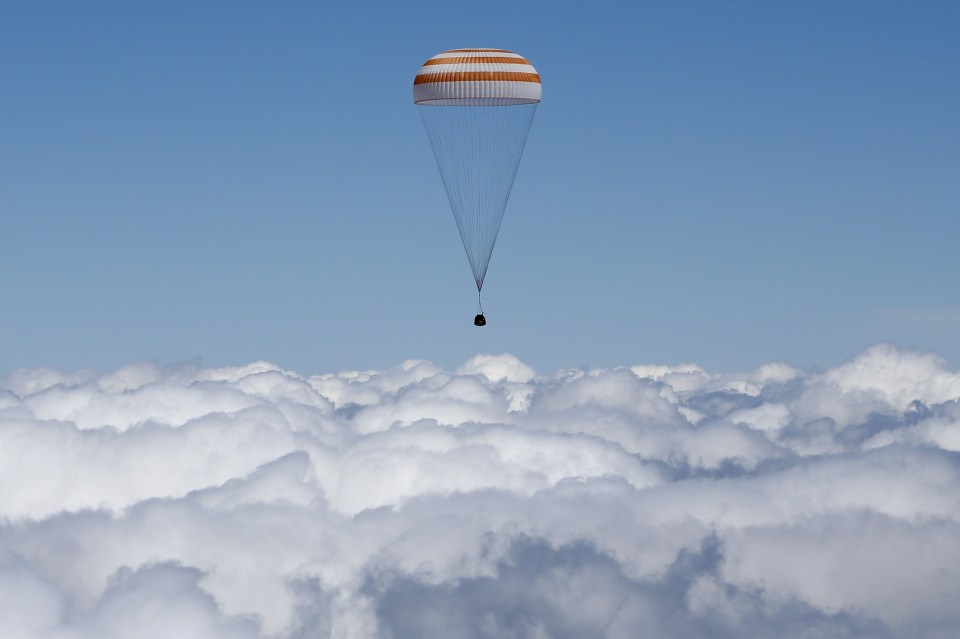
(484, 502)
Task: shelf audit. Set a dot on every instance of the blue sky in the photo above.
(724, 183)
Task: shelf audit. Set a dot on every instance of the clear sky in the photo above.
(724, 183)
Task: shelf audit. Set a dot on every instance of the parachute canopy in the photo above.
(477, 106)
(477, 77)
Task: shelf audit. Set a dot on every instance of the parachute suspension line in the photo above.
(478, 150)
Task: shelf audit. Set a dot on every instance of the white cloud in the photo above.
(487, 501)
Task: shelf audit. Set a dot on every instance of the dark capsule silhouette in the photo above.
(480, 320)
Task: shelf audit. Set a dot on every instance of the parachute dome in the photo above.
(477, 77)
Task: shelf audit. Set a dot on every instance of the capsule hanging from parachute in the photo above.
(477, 106)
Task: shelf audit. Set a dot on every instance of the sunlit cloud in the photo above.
(488, 501)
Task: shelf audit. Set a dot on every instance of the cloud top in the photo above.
(489, 501)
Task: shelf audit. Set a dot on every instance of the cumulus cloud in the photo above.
(488, 501)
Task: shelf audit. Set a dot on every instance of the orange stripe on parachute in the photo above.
(467, 76)
(477, 60)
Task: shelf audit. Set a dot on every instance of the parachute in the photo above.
(477, 106)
